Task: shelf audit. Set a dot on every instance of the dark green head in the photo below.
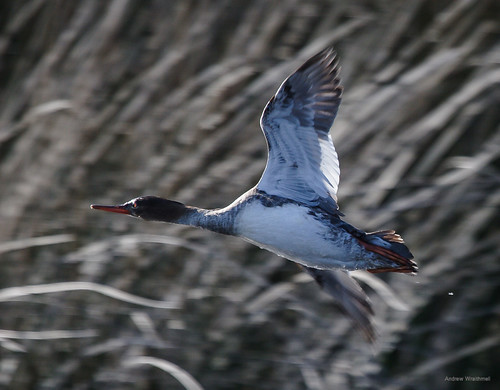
(149, 208)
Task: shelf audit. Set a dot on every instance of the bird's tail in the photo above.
(390, 245)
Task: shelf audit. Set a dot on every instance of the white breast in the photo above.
(291, 232)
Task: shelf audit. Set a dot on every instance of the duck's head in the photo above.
(149, 208)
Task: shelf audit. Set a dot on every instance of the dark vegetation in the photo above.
(101, 101)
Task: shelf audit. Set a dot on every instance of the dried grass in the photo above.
(103, 101)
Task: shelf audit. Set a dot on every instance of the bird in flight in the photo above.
(293, 211)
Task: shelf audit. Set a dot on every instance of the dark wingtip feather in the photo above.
(327, 56)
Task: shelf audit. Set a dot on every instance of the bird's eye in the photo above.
(134, 205)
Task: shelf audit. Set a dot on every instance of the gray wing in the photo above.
(302, 163)
(349, 295)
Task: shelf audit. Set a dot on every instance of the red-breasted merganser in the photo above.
(293, 210)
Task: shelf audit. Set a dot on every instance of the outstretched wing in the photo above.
(302, 163)
(349, 295)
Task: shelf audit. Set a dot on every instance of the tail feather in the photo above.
(393, 248)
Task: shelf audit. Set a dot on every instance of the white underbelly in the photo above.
(290, 232)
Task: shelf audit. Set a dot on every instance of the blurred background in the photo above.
(103, 101)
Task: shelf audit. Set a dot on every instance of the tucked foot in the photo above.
(390, 245)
